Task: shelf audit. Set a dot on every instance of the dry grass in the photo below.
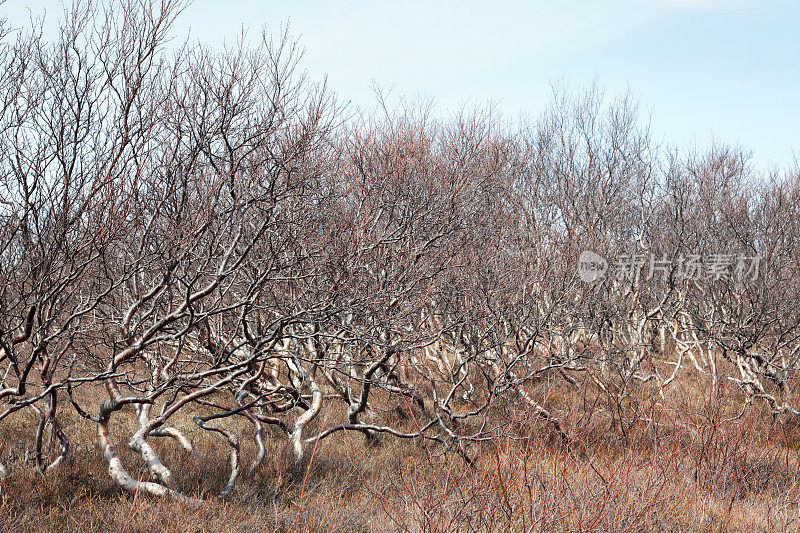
(683, 464)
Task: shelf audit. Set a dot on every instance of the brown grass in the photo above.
(688, 463)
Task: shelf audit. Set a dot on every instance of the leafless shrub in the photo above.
(207, 238)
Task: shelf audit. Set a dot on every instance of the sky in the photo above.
(703, 71)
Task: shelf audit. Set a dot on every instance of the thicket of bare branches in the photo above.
(206, 235)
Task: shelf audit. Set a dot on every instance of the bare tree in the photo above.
(194, 235)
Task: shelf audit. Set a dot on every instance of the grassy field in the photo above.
(690, 463)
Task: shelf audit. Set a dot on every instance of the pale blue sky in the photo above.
(701, 69)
